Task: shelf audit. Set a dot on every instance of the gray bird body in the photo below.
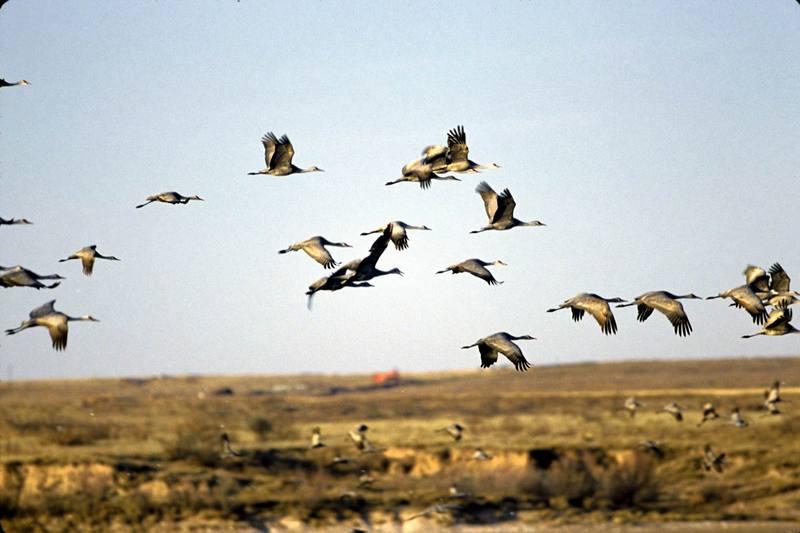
(398, 235)
(18, 276)
(631, 405)
(455, 156)
(278, 155)
(666, 303)
(501, 343)
(500, 209)
(420, 172)
(777, 324)
(744, 297)
(597, 306)
(4, 83)
(476, 267)
(314, 247)
(712, 461)
(87, 255)
(169, 197)
(737, 419)
(56, 322)
(709, 413)
(675, 410)
(14, 221)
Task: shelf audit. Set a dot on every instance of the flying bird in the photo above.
(12, 221)
(756, 278)
(476, 267)
(18, 276)
(737, 419)
(480, 455)
(315, 248)
(778, 323)
(744, 297)
(501, 343)
(773, 394)
(170, 197)
(597, 306)
(666, 303)
(712, 461)
(631, 405)
(499, 209)
(709, 413)
(360, 440)
(278, 154)
(56, 322)
(365, 269)
(398, 232)
(455, 430)
(455, 156)
(87, 255)
(4, 83)
(420, 172)
(674, 410)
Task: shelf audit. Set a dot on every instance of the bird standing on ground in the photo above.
(501, 343)
(315, 248)
(500, 209)
(278, 154)
(170, 197)
(56, 322)
(13, 221)
(87, 255)
(596, 305)
(476, 267)
(398, 232)
(316, 438)
(18, 276)
(668, 304)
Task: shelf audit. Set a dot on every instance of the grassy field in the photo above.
(144, 454)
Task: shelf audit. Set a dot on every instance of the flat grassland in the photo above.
(145, 454)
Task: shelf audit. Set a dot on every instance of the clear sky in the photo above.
(657, 140)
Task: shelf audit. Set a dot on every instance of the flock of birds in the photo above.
(760, 290)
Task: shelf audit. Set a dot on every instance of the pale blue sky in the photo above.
(658, 141)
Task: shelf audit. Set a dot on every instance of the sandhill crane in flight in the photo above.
(756, 278)
(778, 323)
(674, 410)
(56, 322)
(631, 405)
(359, 438)
(737, 419)
(12, 221)
(315, 248)
(87, 255)
(480, 455)
(501, 343)
(398, 234)
(668, 304)
(455, 430)
(4, 83)
(744, 297)
(278, 154)
(712, 461)
(597, 306)
(779, 287)
(365, 269)
(455, 156)
(652, 447)
(772, 408)
(476, 267)
(316, 438)
(709, 413)
(170, 197)
(18, 276)
(499, 209)
(420, 172)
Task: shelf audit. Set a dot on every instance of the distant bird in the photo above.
(454, 494)
(332, 283)
(225, 447)
(480, 455)
(778, 323)
(668, 304)
(11, 221)
(773, 394)
(501, 343)
(476, 267)
(398, 233)
(779, 287)
(316, 438)
(500, 209)
(737, 419)
(339, 460)
(56, 322)
(18, 276)
(596, 305)
(365, 269)
(359, 438)
(87, 255)
(420, 172)
(4, 83)
(315, 248)
(772, 408)
(631, 405)
(744, 297)
(712, 461)
(652, 447)
(170, 197)
(455, 430)
(455, 156)
(675, 410)
(756, 278)
(709, 413)
(278, 154)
